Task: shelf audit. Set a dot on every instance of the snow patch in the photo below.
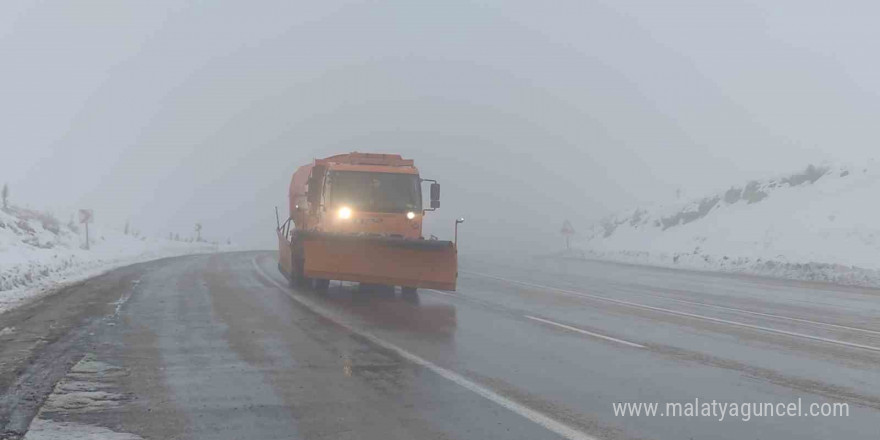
(87, 387)
(89, 365)
(82, 390)
(818, 224)
(82, 401)
(42, 429)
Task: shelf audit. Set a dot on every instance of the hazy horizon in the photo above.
(165, 115)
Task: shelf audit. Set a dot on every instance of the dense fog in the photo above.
(164, 114)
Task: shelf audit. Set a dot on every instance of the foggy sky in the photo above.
(169, 113)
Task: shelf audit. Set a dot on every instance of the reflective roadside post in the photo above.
(460, 220)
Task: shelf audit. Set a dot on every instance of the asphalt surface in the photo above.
(218, 346)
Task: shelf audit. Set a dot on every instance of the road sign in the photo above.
(85, 217)
(567, 231)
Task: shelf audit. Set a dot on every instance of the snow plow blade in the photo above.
(431, 264)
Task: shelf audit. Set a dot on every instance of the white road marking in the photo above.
(575, 329)
(690, 315)
(752, 312)
(524, 411)
(567, 327)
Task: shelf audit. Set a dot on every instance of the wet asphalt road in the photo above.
(217, 346)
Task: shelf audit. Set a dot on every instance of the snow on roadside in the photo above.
(43, 429)
(820, 224)
(37, 253)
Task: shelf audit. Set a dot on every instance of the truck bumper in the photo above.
(431, 264)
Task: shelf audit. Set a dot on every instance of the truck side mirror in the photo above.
(435, 195)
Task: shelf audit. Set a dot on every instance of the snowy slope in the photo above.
(37, 252)
(822, 223)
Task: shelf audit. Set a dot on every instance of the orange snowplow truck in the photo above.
(358, 217)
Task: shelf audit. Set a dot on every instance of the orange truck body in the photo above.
(358, 217)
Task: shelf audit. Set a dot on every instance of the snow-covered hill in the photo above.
(822, 223)
(37, 252)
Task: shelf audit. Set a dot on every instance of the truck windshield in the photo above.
(374, 192)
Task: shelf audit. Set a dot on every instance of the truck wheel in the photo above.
(409, 294)
(321, 285)
(297, 278)
(298, 281)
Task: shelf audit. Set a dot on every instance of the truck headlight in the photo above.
(410, 215)
(345, 213)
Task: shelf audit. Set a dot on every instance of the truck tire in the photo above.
(297, 279)
(409, 294)
(321, 285)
